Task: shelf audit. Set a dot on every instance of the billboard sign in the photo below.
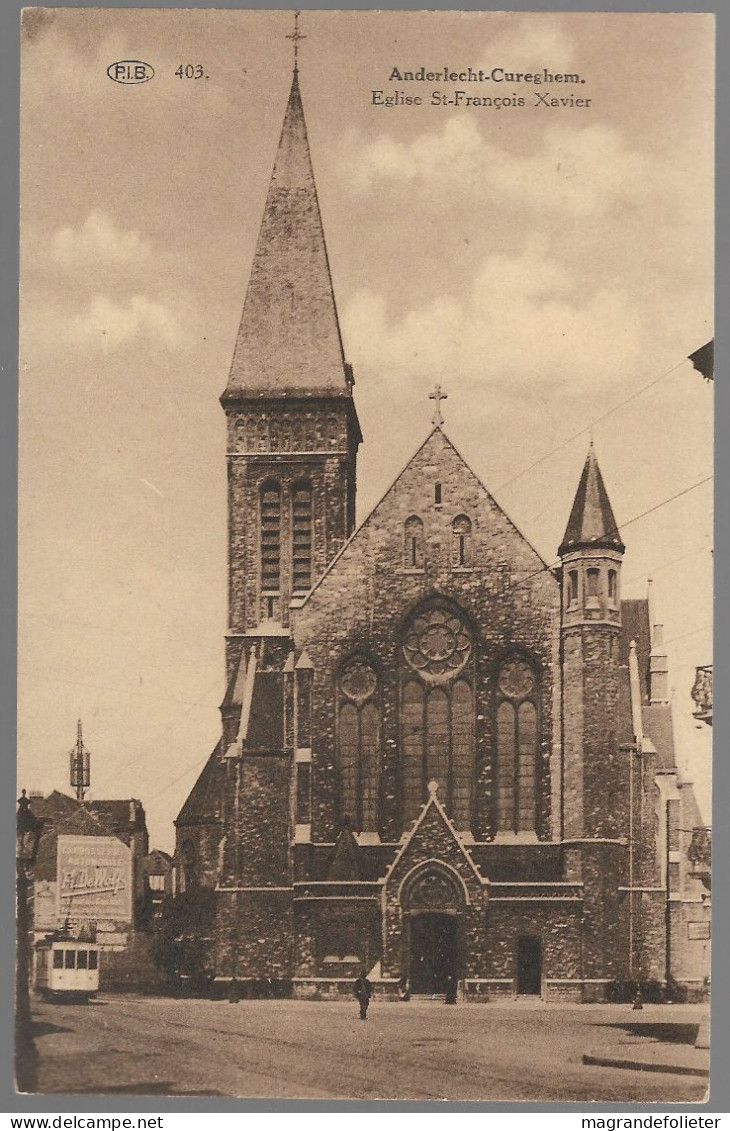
(94, 879)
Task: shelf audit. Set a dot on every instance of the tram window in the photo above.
(82, 960)
(93, 959)
(69, 959)
(58, 960)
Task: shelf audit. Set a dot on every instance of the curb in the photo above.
(644, 1065)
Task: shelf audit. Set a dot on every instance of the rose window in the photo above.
(358, 681)
(516, 679)
(437, 644)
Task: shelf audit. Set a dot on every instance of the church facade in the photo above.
(442, 760)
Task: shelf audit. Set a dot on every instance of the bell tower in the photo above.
(292, 426)
(591, 553)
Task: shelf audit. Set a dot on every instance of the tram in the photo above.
(67, 968)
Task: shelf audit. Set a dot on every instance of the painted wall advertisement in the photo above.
(94, 880)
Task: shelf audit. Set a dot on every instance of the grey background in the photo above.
(9, 96)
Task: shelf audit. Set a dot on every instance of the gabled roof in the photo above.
(635, 626)
(157, 863)
(591, 521)
(436, 445)
(124, 814)
(433, 815)
(203, 800)
(658, 726)
(72, 819)
(289, 340)
(345, 864)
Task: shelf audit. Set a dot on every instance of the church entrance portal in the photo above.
(529, 965)
(433, 952)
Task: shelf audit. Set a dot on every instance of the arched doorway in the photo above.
(432, 900)
(433, 952)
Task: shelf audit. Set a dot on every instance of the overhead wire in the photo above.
(588, 427)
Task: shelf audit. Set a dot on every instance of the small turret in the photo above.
(591, 552)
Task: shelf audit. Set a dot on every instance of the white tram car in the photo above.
(67, 968)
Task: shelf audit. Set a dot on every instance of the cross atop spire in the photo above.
(437, 395)
(296, 38)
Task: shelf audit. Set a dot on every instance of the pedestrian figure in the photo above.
(450, 989)
(363, 991)
(404, 988)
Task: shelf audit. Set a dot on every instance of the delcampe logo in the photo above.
(130, 71)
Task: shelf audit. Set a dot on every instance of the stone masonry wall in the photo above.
(362, 602)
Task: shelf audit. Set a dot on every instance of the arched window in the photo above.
(189, 861)
(593, 578)
(437, 713)
(413, 555)
(517, 746)
(359, 745)
(461, 528)
(462, 753)
(412, 724)
(572, 589)
(302, 537)
(613, 586)
(270, 537)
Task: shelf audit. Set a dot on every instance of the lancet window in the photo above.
(270, 531)
(359, 745)
(517, 746)
(437, 713)
(461, 530)
(413, 550)
(302, 537)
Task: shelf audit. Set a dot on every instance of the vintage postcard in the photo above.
(366, 418)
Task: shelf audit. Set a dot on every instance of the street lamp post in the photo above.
(27, 838)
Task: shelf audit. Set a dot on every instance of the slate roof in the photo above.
(657, 720)
(63, 816)
(202, 804)
(591, 521)
(635, 626)
(125, 815)
(289, 339)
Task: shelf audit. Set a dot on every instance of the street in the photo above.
(295, 1049)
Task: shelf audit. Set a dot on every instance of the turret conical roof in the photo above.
(289, 338)
(591, 521)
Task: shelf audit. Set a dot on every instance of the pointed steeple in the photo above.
(289, 341)
(591, 521)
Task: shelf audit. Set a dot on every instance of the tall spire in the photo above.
(591, 521)
(289, 340)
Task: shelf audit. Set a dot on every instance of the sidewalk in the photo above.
(650, 1048)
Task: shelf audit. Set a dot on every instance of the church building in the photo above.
(443, 759)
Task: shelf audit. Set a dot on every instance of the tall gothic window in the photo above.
(517, 746)
(437, 713)
(461, 530)
(413, 550)
(270, 537)
(302, 537)
(359, 745)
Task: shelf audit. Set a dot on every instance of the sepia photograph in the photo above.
(365, 555)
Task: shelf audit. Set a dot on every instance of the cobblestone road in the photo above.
(419, 1050)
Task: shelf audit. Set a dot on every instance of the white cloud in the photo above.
(578, 171)
(99, 241)
(111, 324)
(524, 321)
(531, 43)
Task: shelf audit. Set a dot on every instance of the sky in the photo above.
(551, 267)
